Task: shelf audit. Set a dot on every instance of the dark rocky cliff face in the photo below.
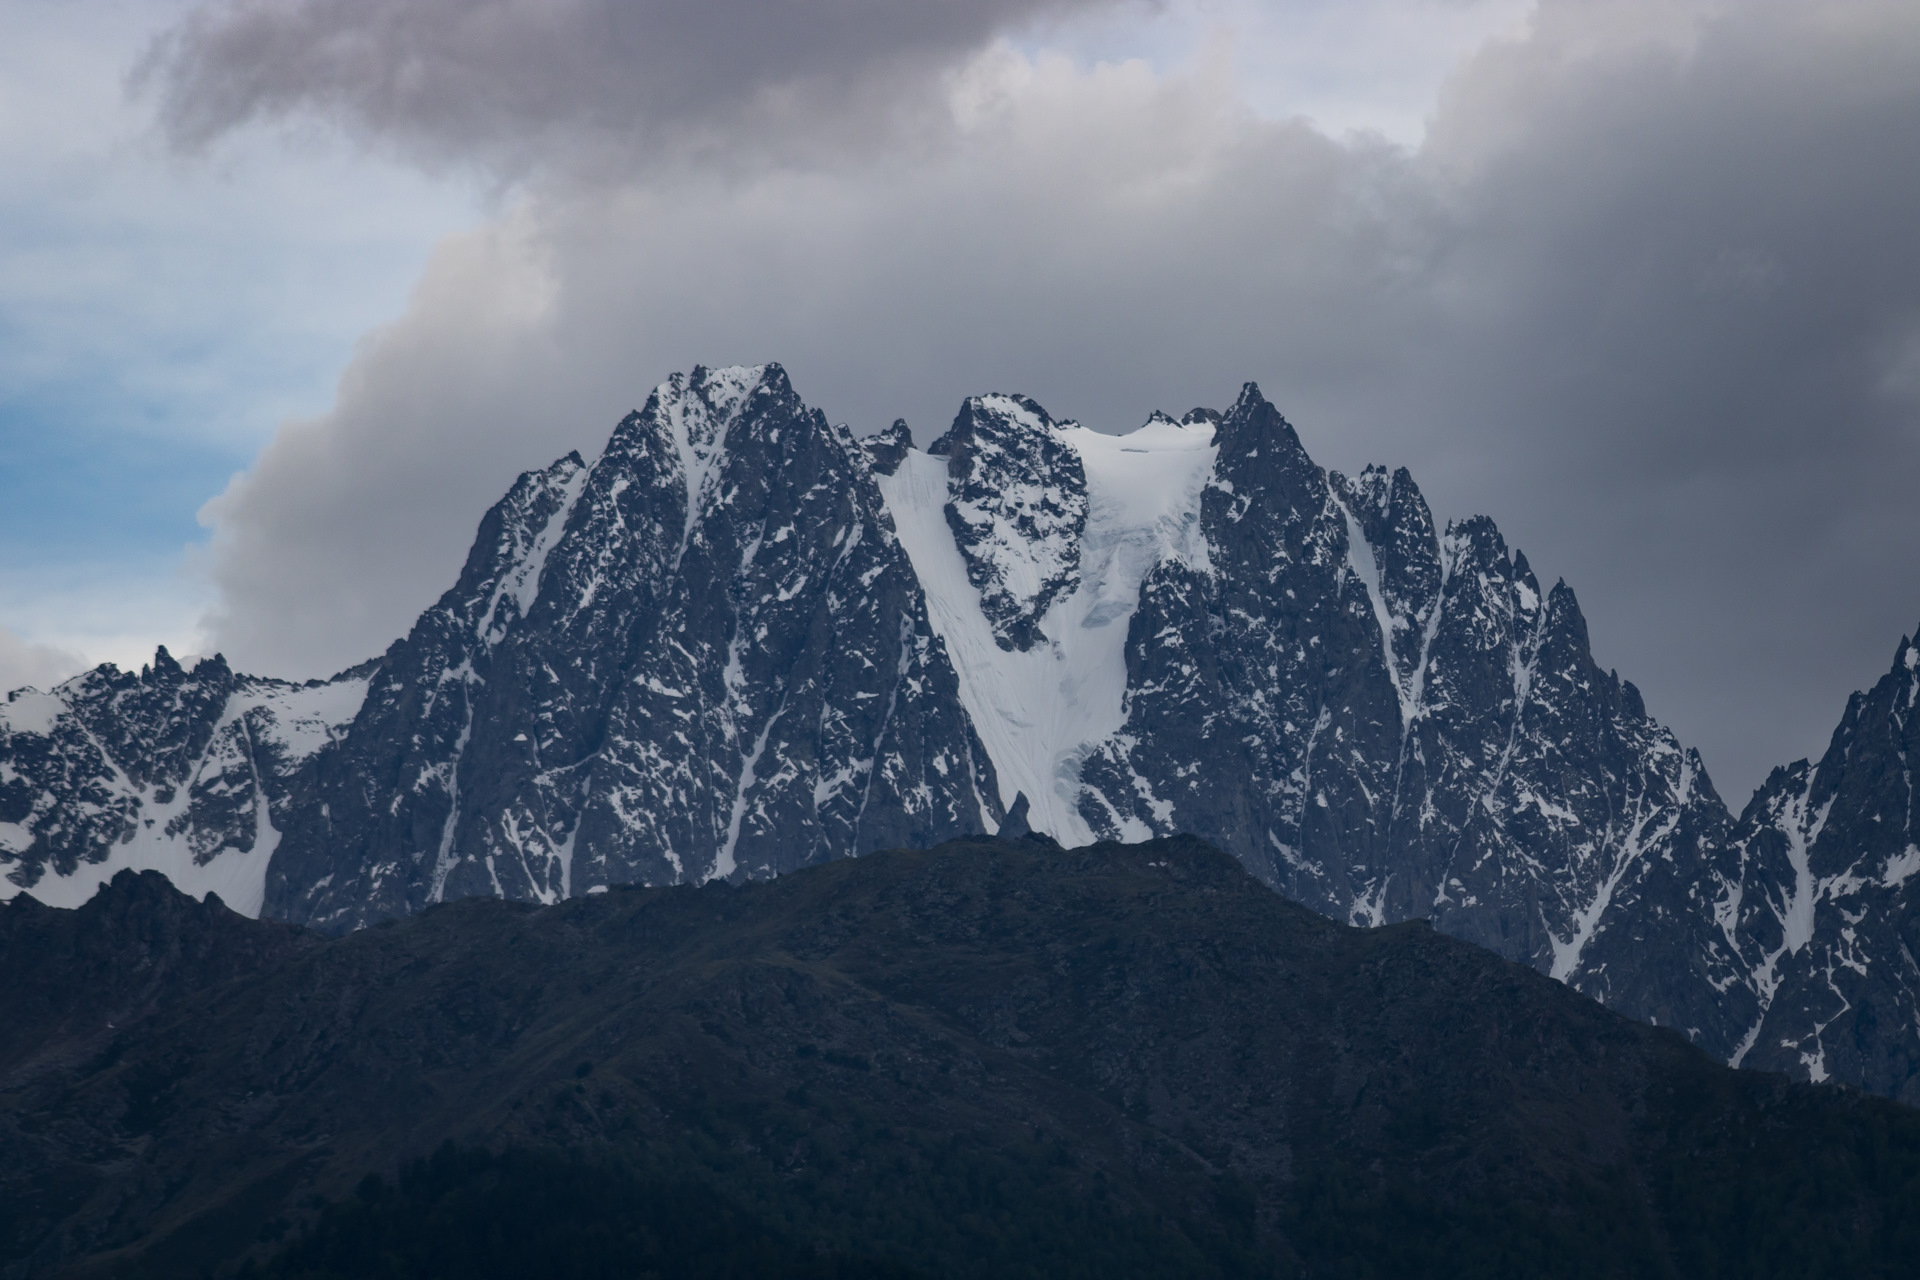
(1018, 511)
(733, 645)
(702, 656)
(1392, 723)
(1819, 901)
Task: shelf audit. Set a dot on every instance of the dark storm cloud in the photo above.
(1682, 285)
(521, 83)
(1649, 295)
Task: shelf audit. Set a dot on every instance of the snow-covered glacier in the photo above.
(742, 641)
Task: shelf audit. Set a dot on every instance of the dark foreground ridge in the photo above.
(994, 1058)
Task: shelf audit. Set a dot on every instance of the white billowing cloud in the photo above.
(1346, 65)
(348, 524)
(39, 666)
(1646, 294)
(63, 617)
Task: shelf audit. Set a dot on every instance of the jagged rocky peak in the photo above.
(705, 656)
(502, 575)
(1559, 822)
(1393, 549)
(887, 449)
(1822, 899)
(692, 412)
(1263, 465)
(639, 504)
(1492, 597)
(1018, 506)
(186, 770)
(154, 724)
(693, 416)
(1397, 528)
(1482, 643)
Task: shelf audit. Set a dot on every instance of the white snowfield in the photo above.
(265, 731)
(1041, 712)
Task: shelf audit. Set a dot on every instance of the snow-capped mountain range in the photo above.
(742, 641)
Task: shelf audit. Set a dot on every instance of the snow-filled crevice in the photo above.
(1794, 909)
(445, 856)
(520, 582)
(1360, 560)
(1041, 712)
(697, 420)
(1628, 853)
(723, 862)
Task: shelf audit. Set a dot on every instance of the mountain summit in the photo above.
(742, 641)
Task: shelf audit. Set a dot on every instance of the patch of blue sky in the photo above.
(88, 472)
(143, 360)
(161, 316)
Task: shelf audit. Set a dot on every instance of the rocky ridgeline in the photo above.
(742, 641)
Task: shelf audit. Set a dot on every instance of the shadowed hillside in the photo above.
(992, 1058)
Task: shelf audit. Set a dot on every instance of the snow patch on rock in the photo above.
(266, 728)
(1042, 711)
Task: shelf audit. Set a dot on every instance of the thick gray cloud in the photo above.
(521, 84)
(1684, 284)
(1077, 224)
(1649, 295)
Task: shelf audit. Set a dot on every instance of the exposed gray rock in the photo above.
(702, 656)
(1018, 509)
(1819, 901)
(189, 772)
(709, 653)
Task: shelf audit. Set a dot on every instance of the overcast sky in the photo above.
(291, 289)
